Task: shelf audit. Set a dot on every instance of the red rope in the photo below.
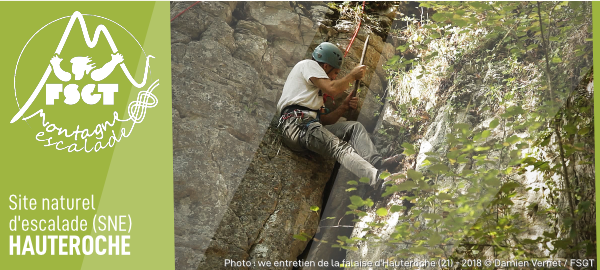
(185, 10)
(355, 32)
(325, 96)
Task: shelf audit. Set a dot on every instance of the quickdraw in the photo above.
(325, 96)
(298, 114)
(295, 113)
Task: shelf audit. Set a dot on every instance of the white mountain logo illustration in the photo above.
(82, 66)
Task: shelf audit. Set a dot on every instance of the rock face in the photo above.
(240, 194)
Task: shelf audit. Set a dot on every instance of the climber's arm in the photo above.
(335, 87)
(334, 116)
(332, 87)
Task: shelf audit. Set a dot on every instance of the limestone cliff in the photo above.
(240, 194)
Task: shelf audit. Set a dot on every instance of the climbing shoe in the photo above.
(390, 162)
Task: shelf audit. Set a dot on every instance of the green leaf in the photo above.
(453, 154)
(462, 159)
(352, 183)
(534, 126)
(571, 129)
(505, 201)
(409, 149)
(408, 185)
(486, 133)
(513, 139)
(314, 208)
(444, 197)
(384, 175)
(382, 212)
(512, 111)
(364, 180)
(562, 244)
(434, 239)
(556, 60)
(481, 148)
(418, 250)
(432, 216)
(494, 123)
(545, 142)
(439, 17)
(439, 168)
(583, 131)
(396, 208)
(460, 22)
(402, 48)
(506, 188)
(350, 189)
(414, 175)
(356, 200)
(300, 237)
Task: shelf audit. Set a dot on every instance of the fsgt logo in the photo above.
(77, 89)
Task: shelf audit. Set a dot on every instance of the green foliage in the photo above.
(536, 56)
(302, 236)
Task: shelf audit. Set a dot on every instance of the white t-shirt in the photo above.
(299, 90)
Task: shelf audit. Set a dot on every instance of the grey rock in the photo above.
(251, 28)
(238, 193)
(221, 10)
(279, 20)
(319, 14)
(291, 52)
(250, 49)
(177, 37)
(192, 22)
(222, 33)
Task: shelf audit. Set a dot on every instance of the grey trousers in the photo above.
(346, 142)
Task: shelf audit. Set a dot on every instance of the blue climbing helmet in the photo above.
(329, 54)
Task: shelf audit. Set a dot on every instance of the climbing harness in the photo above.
(297, 112)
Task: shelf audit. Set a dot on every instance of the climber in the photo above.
(305, 125)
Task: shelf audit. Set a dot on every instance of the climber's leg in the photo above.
(356, 134)
(321, 141)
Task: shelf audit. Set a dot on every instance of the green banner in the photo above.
(86, 121)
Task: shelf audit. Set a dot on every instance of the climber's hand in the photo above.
(358, 72)
(350, 102)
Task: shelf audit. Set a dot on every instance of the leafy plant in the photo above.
(516, 66)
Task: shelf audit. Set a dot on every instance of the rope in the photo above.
(355, 31)
(325, 96)
(185, 10)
